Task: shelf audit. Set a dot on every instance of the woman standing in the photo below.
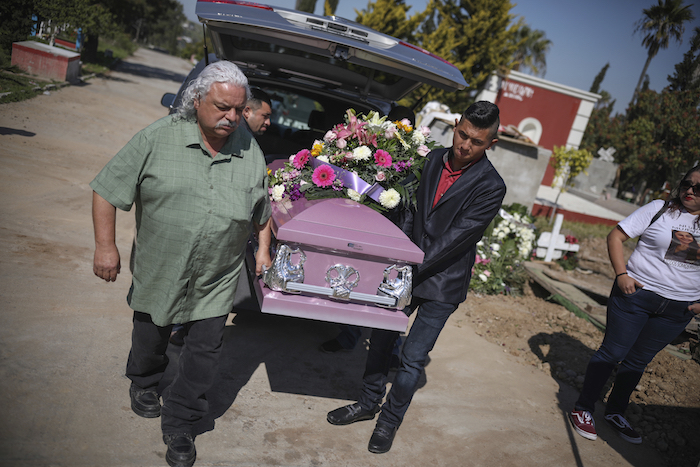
(652, 301)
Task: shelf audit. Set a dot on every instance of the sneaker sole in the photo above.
(624, 436)
(582, 433)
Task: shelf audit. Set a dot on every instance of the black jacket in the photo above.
(448, 233)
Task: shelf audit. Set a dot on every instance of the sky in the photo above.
(585, 35)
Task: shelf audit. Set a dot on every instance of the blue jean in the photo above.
(421, 339)
(349, 336)
(638, 326)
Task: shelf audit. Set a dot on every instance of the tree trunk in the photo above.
(641, 79)
(89, 53)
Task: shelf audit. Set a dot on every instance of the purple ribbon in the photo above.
(350, 180)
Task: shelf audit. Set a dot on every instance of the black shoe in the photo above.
(181, 451)
(350, 414)
(333, 346)
(381, 439)
(145, 403)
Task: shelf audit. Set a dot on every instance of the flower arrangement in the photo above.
(506, 244)
(367, 159)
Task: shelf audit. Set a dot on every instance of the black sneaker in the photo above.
(623, 428)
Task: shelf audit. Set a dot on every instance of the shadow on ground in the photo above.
(289, 349)
(149, 72)
(549, 348)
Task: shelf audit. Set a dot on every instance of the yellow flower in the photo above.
(403, 143)
(403, 126)
(317, 148)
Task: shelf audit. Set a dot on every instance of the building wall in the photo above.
(521, 166)
(46, 61)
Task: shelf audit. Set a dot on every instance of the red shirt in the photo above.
(448, 177)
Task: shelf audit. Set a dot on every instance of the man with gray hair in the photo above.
(199, 183)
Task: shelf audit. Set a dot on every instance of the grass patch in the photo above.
(19, 87)
(580, 230)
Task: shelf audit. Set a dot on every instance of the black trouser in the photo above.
(184, 401)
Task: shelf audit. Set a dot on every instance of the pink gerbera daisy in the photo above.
(301, 158)
(323, 175)
(382, 158)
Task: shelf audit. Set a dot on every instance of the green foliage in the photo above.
(580, 230)
(660, 24)
(16, 21)
(476, 36)
(686, 77)
(661, 138)
(598, 80)
(329, 7)
(532, 46)
(390, 17)
(507, 243)
(19, 86)
(307, 6)
(568, 163)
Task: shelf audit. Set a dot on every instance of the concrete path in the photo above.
(65, 335)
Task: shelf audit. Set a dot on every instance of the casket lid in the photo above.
(343, 225)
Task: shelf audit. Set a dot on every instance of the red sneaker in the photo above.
(583, 424)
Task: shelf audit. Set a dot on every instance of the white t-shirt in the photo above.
(667, 257)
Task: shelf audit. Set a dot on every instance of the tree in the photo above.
(89, 15)
(474, 35)
(598, 80)
(687, 75)
(661, 138)
(16, 20)
(390, 17)
(567, 163)
(307, 6)
(531, 49)
(660, 24)
(329, 7)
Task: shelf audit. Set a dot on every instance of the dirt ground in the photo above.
(496, 389)
(666, 404)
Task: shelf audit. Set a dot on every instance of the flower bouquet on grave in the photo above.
(367, 159)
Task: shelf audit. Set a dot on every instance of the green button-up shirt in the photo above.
(194, 215)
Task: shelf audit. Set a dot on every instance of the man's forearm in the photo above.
(106, 264)
(104, 219)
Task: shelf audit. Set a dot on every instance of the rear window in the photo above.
(291, 110)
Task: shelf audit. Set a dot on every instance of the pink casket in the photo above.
(340, 261)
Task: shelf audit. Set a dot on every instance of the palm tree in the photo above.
(532, 47)
(660, 24)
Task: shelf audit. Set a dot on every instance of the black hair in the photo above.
(483, 115)
(675, 203)
(258, 97)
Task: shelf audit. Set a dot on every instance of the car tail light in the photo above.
(415, 47)
(241, 3)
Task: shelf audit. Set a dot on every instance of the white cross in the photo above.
(552, 245)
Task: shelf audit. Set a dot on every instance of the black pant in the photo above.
(184, 400)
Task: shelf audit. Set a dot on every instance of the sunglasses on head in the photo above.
(685, 184)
